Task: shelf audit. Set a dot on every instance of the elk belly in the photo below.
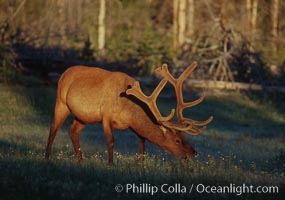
(84, 103)
(119, 125)
(121, 120)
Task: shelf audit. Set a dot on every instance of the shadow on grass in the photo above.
(241, 115)
(12, 148)
(27, 178)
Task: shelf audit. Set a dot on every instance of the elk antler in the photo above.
(151, 100)
(184, 124)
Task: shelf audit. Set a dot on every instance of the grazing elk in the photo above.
(115, 99)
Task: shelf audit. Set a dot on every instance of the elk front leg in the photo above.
(108, 131)
(141, 149)
(74, 132)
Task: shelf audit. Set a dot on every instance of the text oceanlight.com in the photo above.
(177, 188)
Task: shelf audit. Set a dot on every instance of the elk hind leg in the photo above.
(74, 133)
(141, 149)
(108, 131)
(61, 111)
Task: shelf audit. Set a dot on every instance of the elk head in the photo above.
(175, 142)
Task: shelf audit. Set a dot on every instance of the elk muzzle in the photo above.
(190, 155)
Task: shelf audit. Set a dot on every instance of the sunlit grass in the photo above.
(244, 144)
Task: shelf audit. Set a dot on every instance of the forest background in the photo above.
(235, 41)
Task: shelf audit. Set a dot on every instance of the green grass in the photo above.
(244, 144)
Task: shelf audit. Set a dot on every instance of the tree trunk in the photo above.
(175, 23)
(274, 23)
(182, 22)
(248, 16)
(190, 16)
(101, 27)
(253, 18)
(78, 16)
(179, 23)
(62, 19)
(251, 13)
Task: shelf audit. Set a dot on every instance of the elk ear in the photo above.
(163, 129)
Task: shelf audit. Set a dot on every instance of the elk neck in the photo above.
(145, 126)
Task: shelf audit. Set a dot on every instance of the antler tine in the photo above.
(164, 73)
(188, 71)
(181, 105)
(195, 131)
(187, 129)
(151, 100)
(198, 123)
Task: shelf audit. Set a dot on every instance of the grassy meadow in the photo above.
(245, 144)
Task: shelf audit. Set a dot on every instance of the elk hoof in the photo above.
(141, 157)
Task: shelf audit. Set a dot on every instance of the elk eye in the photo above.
(177, 141)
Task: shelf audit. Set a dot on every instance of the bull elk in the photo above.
(116, 100)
